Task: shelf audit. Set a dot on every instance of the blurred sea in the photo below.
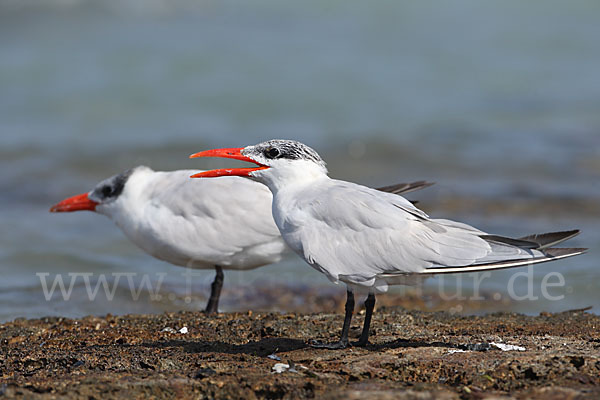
(498, 102)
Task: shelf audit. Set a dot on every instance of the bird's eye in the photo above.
(273, 152)
(106, 191)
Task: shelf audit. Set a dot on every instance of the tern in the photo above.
(369, 239)
(220, 224)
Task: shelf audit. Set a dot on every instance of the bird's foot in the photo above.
(341, 344)
(211, 310)
(361, 343)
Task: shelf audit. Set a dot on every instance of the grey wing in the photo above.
(213, 218)
(357, 234)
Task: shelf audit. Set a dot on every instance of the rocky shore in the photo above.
(413, 354)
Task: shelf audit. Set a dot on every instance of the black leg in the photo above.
(364, 336)
(215, 292)
(343, 342)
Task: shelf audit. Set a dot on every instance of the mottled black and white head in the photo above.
(104, 198)
(278, 162)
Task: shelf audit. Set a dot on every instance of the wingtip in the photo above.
(549, 239)
(570, 233)
(562, 252)
(426, 183)
(417, 185)
(404, 188)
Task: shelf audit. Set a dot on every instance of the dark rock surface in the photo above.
(412, 355)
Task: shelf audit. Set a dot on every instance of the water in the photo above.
(498, 102)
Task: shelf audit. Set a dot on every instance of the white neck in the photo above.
(287, 173)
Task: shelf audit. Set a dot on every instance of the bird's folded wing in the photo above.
(212, 216)
(355, 231)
